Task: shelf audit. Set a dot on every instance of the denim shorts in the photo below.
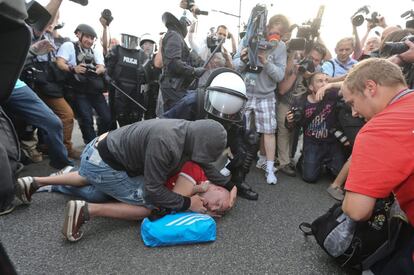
(112, 182)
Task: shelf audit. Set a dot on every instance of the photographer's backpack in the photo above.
(359, 245)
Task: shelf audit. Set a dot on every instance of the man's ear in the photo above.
(370, 88)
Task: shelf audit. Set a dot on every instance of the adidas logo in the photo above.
(188, 220)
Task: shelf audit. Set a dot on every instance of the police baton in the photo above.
(209, 58)
(112, 82)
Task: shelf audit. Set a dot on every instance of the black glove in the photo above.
(199, 71)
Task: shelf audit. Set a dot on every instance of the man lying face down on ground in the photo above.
(132, 165)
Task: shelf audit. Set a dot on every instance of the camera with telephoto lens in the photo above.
(297, 114)
(107, 15)
(190, 5)
(306, 65)
(392, 48)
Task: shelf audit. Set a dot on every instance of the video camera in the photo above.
(392, 48)
(256, 36)
(107, 15)
(307, 33)
(409, 24)
(191, 3)
(359, 16)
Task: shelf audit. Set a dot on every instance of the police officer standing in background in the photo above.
(124, 64)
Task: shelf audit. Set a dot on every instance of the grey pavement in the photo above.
(256, 237)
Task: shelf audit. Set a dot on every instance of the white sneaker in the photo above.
(271, 179)
(261, 164)
(62, 171)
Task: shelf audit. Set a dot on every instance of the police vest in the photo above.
(128, 66)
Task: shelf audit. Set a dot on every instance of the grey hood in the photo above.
(205, 141)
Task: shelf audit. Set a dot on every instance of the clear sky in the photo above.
(142, 17)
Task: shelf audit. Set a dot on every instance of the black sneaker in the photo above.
(74, 219)
(25, 187)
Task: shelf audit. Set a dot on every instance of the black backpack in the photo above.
(357, 244)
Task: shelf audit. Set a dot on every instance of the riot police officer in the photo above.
(124, 65)
(223, 99)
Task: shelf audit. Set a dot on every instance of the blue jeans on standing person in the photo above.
(316, 154)
(83, 104)
(25, 103)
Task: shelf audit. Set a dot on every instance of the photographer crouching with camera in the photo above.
(86, 68)
(290, 90)
(320, 146)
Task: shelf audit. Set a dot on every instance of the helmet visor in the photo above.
(129, 41)
(224, 105)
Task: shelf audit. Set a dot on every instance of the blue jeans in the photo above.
(83, 104)
(26, 104)
(185, 108)
(88, 193)
(316, 154)
(114, 183)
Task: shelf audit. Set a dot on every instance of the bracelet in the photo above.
(71, 69)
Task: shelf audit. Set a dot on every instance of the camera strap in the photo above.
(400, 95)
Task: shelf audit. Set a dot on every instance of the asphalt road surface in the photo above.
(256, 237)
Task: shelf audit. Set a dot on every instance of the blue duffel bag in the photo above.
(178, 228)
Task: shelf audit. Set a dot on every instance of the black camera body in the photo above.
(107, 15)
(297, 114)
(213, 41)
(191, 3)
(306, 65)
(392, 48)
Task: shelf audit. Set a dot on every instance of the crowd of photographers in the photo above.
(292, 89)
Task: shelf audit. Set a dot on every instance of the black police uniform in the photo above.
(242, 142)
(124, 66)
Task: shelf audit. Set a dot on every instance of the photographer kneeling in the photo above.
(86, 68)
(317, 120)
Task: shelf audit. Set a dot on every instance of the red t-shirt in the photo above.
(191, 171)
(383, 156)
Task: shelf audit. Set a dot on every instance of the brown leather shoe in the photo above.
(75, 154)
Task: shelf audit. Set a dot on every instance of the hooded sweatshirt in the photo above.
(158, 148)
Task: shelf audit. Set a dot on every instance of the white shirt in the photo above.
(67, 52)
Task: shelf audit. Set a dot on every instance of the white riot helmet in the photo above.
(225, 96)
(147, 44)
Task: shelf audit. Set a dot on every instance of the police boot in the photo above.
(245, 191)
